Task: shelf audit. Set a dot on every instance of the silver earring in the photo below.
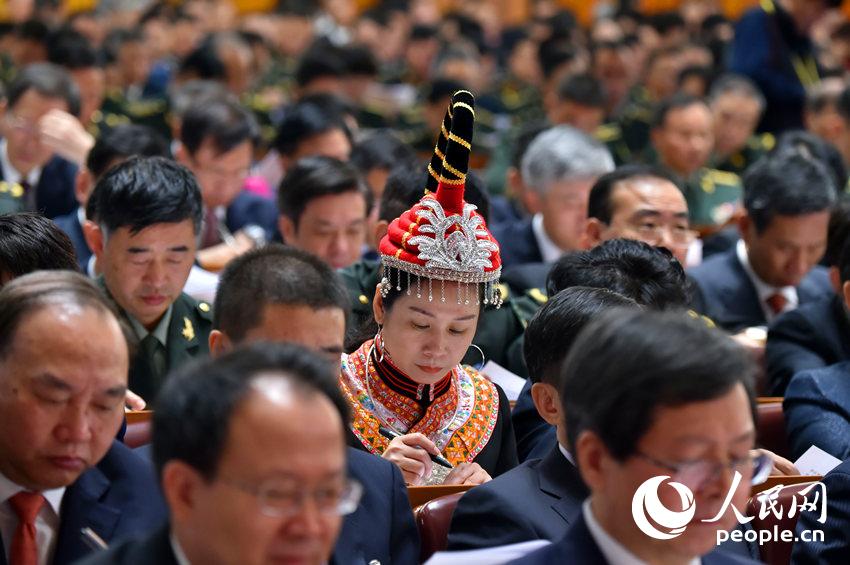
(483, 358)
(379, 338)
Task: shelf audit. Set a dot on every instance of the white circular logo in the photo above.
(646, 503)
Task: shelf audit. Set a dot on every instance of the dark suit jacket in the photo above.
(521, 278)
(537, 500)
(578, 546)
(249, 208)
(835, 547)
(70, 224)
(814, 335)
(725, 293)
(117, 499)
(534, 436)
(817, 410)
(55, 190)
(517, 244)
(154, 549)
(382, 527)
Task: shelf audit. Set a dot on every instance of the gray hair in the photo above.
(563, 153)
(736, 84)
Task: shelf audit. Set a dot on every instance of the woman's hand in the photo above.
(410, 453)
(781, 466)
(467, 474)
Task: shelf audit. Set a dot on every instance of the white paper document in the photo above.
(490, 556)
(510, 383)
(816, 461)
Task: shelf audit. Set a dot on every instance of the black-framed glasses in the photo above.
(695, 474)
(279, 499)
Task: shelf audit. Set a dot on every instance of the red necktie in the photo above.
(24, 548)
(777, 302)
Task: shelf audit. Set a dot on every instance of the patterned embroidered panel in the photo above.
(460, 422)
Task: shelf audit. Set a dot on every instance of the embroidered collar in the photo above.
(395, 379)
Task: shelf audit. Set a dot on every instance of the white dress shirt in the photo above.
(10, 173)
(614, 552)
(46, 523)
(549, 250)
(565, 452)
(179, 556)
(764, 290)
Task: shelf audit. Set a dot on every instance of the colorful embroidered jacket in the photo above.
(464, 414)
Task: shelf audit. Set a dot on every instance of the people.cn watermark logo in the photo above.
(646, 504)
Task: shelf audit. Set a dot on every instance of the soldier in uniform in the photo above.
(737, 105)
(682, 139)
(146, 217)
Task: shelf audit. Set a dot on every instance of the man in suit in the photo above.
(649, 276)
(833, 547)
(283, 294)
(324, 204)
(60, 468)
(689, 393)
(773, 269)
(217, 140)
(111, 148)
(145, 217)
(817, 334)
(250, 451)
(538, 499)
(559, 167)
(32, 177)
(639, 202)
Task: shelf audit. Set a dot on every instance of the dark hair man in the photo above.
(34, 178)
(816, 334)
(649, 276)
(309, 129)
(217, 144)
(61, 405)
(114, 146)
(683, 139)
(145, 218)
(690, 398)
(772, 269)
(30, 242)
(642, 203)
(737, 106)
(243, 481)
(540, 498)
(282, 294)
(323, 205)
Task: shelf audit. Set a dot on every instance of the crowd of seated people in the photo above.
(307, 242)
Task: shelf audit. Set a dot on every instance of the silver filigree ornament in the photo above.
(461, 250)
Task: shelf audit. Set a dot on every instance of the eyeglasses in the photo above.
(21, 125)
(653, 234)
(695, 474)
(284, 499)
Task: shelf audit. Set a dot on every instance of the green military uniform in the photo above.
(12, 198)
(117, 109)
(635, 121)
(497, 328)
(611, 135)
(182, 335)
(713, 196)
(528, 304)
(756, 147)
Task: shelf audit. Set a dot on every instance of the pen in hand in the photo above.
(439, 460)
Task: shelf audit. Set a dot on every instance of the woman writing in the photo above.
(441, 266)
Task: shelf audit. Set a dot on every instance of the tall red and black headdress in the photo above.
(442, 237)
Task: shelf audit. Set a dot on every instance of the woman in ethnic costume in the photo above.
(441, 267)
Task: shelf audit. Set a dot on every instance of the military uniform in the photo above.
(611, 135)
(635, 121)
(738, 162)
(186, 330)
(11, 198)
(497, 328)
(713, 196)
(117, 109)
